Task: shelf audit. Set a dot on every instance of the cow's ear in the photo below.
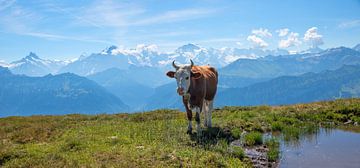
(195, 75)
(170, 74)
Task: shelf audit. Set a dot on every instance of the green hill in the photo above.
(158, 138)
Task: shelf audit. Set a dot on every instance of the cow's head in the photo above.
(183, 75)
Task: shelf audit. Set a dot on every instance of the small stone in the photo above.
(348, 122)
(140, 147)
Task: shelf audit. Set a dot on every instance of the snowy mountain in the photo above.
(3, 64)
(33, 65)
(295, 64)
(149, 56)
(145, 56)
(312, 50)
(114, 57)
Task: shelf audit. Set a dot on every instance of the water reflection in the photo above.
(321, 147)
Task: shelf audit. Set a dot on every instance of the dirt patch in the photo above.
(257, 155)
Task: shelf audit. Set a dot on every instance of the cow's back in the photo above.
(210, 75)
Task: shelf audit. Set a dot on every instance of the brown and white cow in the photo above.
(197, 85)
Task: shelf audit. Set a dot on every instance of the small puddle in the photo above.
(330, 148)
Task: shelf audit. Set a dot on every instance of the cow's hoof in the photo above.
(188, 132)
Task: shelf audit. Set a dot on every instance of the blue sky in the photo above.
(65, 29)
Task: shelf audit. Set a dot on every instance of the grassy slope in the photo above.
(155, 139)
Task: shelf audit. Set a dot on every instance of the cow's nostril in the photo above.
(180, 91)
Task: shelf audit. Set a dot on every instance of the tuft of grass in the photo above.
(253, 138)
(274, 149)
(277, 126)
(72, 145)
(237, 152)
(236, 133)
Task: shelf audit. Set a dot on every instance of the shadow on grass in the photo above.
(211, 136)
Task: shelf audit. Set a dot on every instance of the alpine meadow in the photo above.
(205, 83)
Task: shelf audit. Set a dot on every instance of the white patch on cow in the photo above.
(182, 76)
(207, 108)
(197, 110)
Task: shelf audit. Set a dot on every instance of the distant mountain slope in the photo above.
(122, 84)
(165, 96)
(357, 47)
(59, 94)
(233, 81)
(274, 66)
(326, 85)
(96, 62)
(33, 65)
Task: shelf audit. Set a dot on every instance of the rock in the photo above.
(348, 122)
(256, 154)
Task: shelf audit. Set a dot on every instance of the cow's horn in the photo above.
(192, 63)
(175, 66)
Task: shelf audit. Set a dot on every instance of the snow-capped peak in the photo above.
(188, 48)
(312, 50)
(140, 49)
(109, 50)
(3, 64)
(32, 56)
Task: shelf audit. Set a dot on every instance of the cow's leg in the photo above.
(210, 108)
(205, 109)
(197, 119)
(189, 115)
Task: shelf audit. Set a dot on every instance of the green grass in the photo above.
(158, 138)
(273, 153)
(253, 138)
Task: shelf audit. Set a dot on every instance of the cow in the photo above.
(197, 85)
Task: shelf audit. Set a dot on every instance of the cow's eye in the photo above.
(187, 78)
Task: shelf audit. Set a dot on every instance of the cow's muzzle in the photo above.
(180, 91)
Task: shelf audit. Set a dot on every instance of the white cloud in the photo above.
(6, 4)
(257, 41)
(282, 32)
(261, 32)
(292, 40)
(18, 19)
(239, 43)
(313, 38)
(174, 16)
(61, 37)
(349, 24)
(109, 13)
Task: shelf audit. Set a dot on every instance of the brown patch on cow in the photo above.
(206, 71)
(171, 74)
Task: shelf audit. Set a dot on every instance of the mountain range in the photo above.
(33, 65)
(142, 55)
(117, 79)
(326, 85)
(296, 64)
(54, 94)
